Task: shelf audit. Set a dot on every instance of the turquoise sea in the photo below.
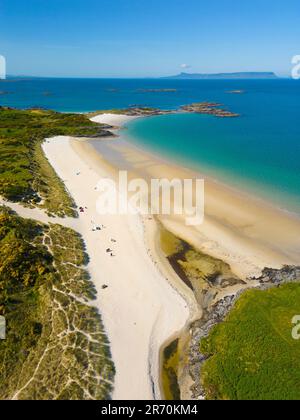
(259, 151)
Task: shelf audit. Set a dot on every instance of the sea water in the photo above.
(259, 151)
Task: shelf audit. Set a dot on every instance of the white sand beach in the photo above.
(140, 309)
(143, 302)
(112, 119)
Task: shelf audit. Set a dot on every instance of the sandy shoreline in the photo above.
(112, 119)
(248, 233)
(140, 310)
(146, 303)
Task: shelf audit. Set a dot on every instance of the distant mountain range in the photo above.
(242, 75)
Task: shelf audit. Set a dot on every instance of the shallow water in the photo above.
(259, 151)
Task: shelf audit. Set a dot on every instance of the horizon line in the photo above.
(18, 76)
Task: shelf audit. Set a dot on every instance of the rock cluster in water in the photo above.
(209, 108)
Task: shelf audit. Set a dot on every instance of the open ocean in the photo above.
(259, 151)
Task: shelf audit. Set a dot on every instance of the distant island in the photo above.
(242, 75)
(156, 90)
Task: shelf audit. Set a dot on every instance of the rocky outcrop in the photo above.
(273, 277)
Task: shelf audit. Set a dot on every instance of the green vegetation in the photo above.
(252, 355)
(26, 176)
(55, 346)
(170, 370)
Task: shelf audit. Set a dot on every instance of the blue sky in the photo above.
(136, 38)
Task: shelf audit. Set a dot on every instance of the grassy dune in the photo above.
(25, 173)
(56, 347)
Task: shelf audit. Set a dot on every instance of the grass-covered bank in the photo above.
(55, 346)
(25, 173)
(252, 355)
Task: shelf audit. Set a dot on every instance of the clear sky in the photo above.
(136, 38)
